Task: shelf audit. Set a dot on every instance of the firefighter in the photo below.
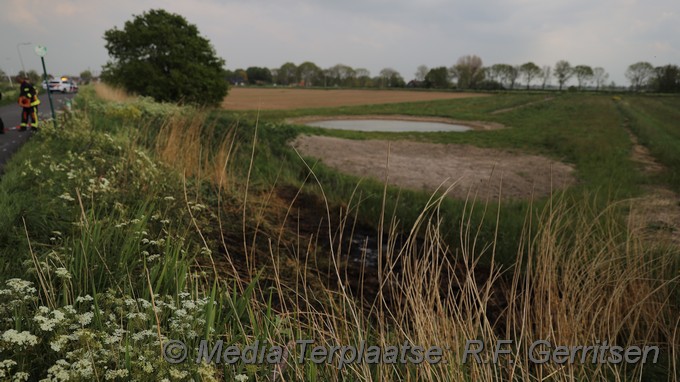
(28, 100)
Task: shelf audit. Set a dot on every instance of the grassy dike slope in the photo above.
(136, 223)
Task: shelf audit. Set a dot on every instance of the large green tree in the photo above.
(287, 74)
(529, 71)
(667, 79)
(86, 76)
(469, 71)
(584, 74)
(259, 76)
(563, 72)
(310, 73)
(161, 55)
(438, 78)
(600, 76)
(639, 74)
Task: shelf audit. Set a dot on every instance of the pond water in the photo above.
(387, 125)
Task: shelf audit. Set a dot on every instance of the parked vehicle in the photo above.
(64, 85)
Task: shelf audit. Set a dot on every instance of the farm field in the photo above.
(287, 98)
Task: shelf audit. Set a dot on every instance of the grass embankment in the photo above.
(584, 130)
(134, 225)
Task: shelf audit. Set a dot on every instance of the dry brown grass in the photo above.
(585, 282)
(109, 93)
(182, 144)
(287, 98)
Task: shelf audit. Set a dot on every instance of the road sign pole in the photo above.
(41, 51)
(49, 95)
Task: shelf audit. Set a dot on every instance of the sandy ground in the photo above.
(292, 98)
(477, 172)
(656, 214)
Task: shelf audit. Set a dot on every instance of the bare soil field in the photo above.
(291, 98)
(474, 172)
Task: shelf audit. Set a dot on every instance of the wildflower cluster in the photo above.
(110, 335)
(131, 110)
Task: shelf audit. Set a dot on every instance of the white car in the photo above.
(62, 85)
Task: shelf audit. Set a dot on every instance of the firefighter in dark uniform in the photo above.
(28, 100)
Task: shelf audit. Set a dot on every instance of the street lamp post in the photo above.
(9, 77)
(21, 59)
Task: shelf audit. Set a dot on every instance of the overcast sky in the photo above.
(371, 34)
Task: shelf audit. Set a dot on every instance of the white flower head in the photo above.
(22, 339)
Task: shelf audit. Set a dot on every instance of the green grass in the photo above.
(654, 120)
(9, 96)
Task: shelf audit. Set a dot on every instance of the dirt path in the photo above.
(501, 111)
(475, 172)
(657, 213)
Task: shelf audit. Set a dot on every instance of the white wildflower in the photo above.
(241, 378)
(24, 338)
(21, 287)
(59, 371)
(62, 273)
(66, 196)
(83, 367)
(115, 337)
(85, 298)
(46, 323)
(178, 374)
(5, 367)
(59, 343)
(147, 367)
(134, 316)
(144, 304)
(85, 318)
(69, 309)
(184, 295)
(198, 207)
(20, 376)
(113, 374)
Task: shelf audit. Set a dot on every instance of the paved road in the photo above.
(11, 116)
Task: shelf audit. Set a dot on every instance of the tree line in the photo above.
(308, 74)
(469, 72)
(34, 77)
